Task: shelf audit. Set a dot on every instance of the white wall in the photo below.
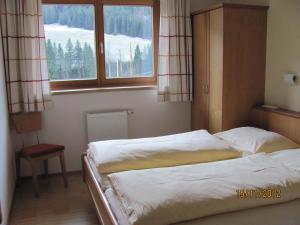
(7, 175)
(283, 53)
(65, 123)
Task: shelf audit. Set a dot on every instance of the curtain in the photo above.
(25, 60)
(175, 51)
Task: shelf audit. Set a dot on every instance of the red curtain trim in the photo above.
(173, 55)
(27, 81)
(28, 59)
(29, 37)
(29, 103)
(16, 14)
(175, 36)
(167, 93)
(179, 74)
(187, 17)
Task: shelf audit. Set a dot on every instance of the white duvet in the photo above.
(175, 194)
(172, 150)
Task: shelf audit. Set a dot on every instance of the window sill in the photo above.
(103, 89)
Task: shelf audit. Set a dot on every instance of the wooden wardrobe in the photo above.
(229, 57)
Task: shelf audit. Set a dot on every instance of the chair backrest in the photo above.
(27, 122)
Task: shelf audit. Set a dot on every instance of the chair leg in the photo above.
(34, 178)
(46, 167)
(63, 168)
(18, 168)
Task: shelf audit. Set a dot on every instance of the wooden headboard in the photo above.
(282, 121)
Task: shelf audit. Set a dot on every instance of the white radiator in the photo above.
(107, 125)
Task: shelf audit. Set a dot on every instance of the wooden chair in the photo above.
(35, 154)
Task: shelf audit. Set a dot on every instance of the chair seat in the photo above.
(41, 150)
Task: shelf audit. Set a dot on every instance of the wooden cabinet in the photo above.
(229, 48)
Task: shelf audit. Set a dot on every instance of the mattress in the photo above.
(278, 214)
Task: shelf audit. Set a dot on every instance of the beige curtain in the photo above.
(25, 60)
(175, 51)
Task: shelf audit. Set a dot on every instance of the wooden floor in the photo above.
(56, 206)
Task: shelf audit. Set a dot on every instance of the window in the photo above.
(128, 41)
(100, 43)
(70, 41)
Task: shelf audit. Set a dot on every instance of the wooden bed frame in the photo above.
(104, 211)
(281, 121)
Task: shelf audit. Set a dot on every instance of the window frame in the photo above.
(101, 80)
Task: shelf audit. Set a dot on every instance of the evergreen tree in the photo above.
(69, 56)
(51, 60)
(89, 61)
(147, 63)
(55, 59)
(137, 60)
(78, 61)
(73, 63)
(60, 66)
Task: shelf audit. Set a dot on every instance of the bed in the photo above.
(286, 123)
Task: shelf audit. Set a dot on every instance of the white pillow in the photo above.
(252, 140)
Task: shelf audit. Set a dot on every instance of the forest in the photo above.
(79, 62)
(126, 20)
(71, 61)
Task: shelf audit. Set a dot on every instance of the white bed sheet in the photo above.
(278, 214)
(102, 179)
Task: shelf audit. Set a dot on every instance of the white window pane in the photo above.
(70, 41)
(128, 41)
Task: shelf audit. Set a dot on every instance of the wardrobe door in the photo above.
(244, 63)
(200, 71)
(216, 22)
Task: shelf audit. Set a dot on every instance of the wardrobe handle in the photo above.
(205, 89)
